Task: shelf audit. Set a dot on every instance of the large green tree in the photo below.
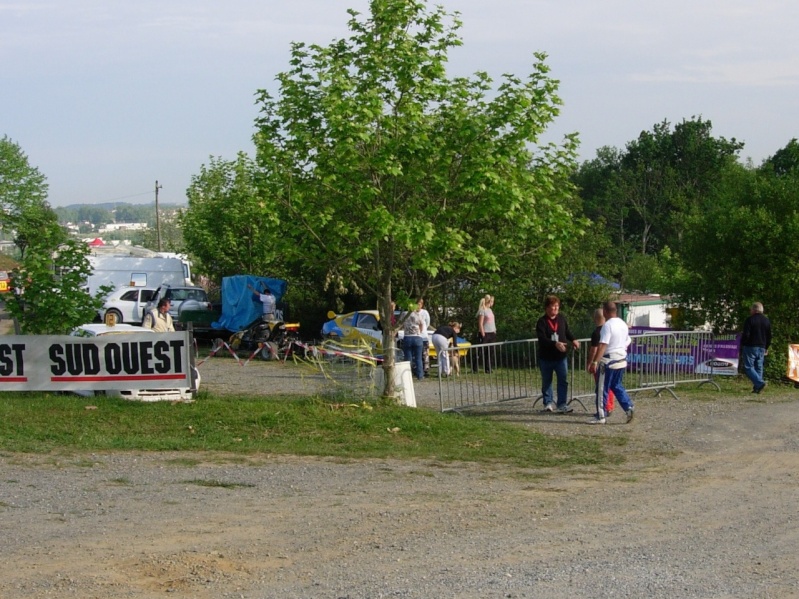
(53, 268)
(24, 211)
(53, 301)
(743, 249)
(647, 192)
(388, 173)
(231, 225)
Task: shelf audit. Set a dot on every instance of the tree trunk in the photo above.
(389, 336)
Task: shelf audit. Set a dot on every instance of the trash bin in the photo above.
(403, 383)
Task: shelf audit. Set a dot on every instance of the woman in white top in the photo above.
(412, 342)
(486, 333)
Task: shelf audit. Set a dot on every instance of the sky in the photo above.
(106, 97)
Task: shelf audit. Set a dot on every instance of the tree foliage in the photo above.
(390, 175)
(23, 199)
(53, 269)
(53, 301)
(746, 249)
(231, 226)
(785, 160)
(648, 192)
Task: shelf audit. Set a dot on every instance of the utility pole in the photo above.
(157, 215)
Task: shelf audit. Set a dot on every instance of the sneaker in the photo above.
(760, 388)
(597, 421)
(565, 410)
(630, 414)
(549, 408)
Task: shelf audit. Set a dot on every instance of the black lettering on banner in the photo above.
(74, 361)
(113, 358)
(91, 359)
(146, 357)
(7, 362)
(161, 352)
(57, 364)
(127, 357)
(177, 346)
(82, 358)
(130, 358)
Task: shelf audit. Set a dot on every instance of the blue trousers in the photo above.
(612, 382)
(412, 347)
(753, 364)
(561, 369)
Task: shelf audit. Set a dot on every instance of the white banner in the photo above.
(64, 363)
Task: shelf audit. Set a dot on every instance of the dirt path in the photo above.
(704, 506)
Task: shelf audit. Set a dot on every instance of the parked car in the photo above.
(127, 304)
(5, 282)
(355, 328)
(101, 329)
(363, 327)
(181, 298)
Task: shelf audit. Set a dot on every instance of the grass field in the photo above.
(43, 423)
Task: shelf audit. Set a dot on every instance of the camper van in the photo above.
(135, 271)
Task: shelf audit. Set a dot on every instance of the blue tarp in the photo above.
(594, 279)
(240, 306)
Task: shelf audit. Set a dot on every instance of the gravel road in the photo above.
(704, 506)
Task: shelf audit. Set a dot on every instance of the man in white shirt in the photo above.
(611, 359)
(268, 301)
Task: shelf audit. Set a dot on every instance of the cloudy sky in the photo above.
(108, 96)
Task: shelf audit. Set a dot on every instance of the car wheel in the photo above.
(117, 314)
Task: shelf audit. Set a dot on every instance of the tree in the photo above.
(96, 215)
(647, 193)
(128, 213)
(785, 160)
(36, 223)
(170, 233)
(23, 192)
(746, 249)
(53, 301)
(230, 225)
(598, 181)
(389, 174)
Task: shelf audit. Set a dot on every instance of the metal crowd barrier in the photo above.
(508, 371)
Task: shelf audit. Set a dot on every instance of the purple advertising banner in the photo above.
(701, 354)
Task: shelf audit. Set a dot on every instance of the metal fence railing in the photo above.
(507, 371)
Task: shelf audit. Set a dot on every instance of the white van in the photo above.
(134, 271)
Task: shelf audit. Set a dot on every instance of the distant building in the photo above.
(122, 227)
(644, 310)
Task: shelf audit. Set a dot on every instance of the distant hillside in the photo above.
(115, 205)
(112, 212)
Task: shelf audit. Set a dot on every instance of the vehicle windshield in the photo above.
(180, 295)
